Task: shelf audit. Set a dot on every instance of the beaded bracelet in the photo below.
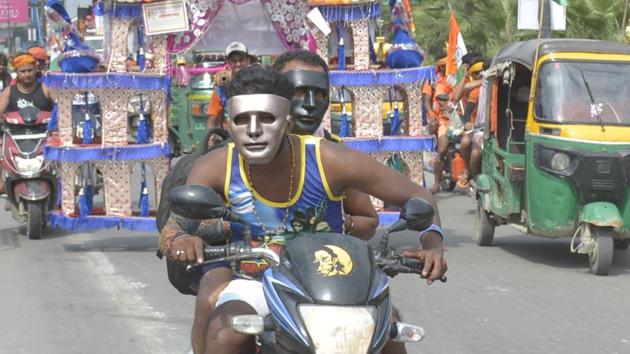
(349, 229)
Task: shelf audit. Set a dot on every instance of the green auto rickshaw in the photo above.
(556, 145)
(188, 111)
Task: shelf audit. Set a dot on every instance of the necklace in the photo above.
(266, 230)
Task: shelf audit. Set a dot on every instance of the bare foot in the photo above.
(436, 188)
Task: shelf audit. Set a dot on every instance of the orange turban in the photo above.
(22, 59)
(38, 53)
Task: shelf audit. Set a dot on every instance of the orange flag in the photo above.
(456, 49)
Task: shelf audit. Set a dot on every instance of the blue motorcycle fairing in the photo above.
(326, 269)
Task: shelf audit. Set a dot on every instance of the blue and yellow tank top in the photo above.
(313, 208)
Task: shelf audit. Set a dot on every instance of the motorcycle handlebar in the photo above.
(234, 253)
(211, 252)
(396, 264)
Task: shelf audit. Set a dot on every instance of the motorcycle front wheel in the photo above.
(34, 220)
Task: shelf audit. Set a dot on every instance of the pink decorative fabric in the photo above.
(288, 18)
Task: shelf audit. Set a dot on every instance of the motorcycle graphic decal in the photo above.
(333, 260)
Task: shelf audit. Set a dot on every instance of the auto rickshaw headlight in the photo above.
(560, 161)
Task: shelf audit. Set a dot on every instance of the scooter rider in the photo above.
(260, 164)
(26, 92)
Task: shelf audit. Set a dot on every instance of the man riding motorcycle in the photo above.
(27, 91)
(308, 73)
(259, 165)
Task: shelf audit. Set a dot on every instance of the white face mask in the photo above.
(258, 124)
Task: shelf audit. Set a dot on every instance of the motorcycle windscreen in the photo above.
(332, 268)
(27, 138)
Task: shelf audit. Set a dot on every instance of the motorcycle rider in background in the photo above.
(261, 163)
(27, 91)
(237, 58)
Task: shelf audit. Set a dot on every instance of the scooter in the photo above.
(326, 292)
(30, 185)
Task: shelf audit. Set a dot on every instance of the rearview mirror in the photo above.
(418, 213)
(196, 202)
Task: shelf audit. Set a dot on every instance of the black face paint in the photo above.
(308, 111)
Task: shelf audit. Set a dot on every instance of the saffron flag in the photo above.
(455, 52)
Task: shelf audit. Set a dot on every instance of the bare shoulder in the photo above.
(330, 150)
(342, 164)
(209, 169)
(334, 153)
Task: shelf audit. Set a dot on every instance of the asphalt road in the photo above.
(106, 292)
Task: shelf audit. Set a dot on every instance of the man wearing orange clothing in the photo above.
(438, 122)
(237, 58)
(471, 90)
(440, 86)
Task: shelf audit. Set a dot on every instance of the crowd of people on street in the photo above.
(274, 117)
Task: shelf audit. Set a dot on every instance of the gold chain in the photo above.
(291, 175)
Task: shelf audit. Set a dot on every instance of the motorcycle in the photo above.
(454, 164)
(326, 292)
(30, 185)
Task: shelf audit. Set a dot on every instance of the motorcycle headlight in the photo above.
(29, 167)
(338, 329)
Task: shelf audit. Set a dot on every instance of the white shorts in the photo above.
(247, 291)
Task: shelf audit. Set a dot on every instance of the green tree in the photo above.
(488, 25)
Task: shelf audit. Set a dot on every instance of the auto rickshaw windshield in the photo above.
(574, 92)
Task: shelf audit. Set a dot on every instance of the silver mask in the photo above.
(258, 124)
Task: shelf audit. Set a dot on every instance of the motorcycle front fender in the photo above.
(32, 189)
(603, 214)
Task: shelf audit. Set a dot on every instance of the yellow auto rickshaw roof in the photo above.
(524, 52)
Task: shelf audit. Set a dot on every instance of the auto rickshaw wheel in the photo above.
(621, 244)
(602, 256)
(484, 226)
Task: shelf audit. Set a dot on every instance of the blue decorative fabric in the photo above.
(126, 12)
(78, 64)
(404, 53)
(395, 123)
(52, 123)
(88, 223)
(391, 144)
(381, 77)
(387, 218)
(131, 152)
(350, 12)
(143, 135)
(344, 131)
(133, 81)
(143, 203)
(88, 130)
(341, 49)
(58, 7)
